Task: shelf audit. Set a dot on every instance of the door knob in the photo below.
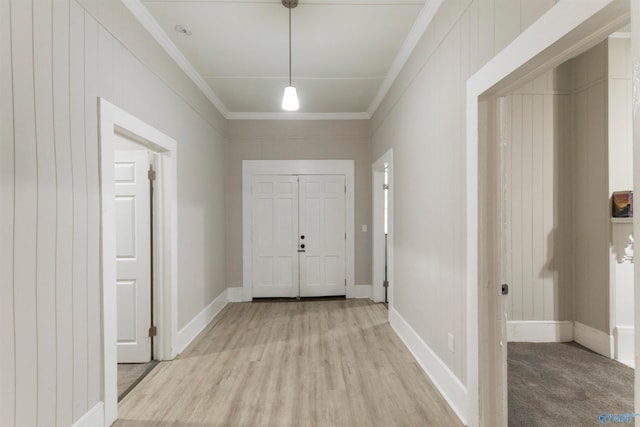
(302, 246)
(302, 237)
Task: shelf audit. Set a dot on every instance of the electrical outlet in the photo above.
(452, 343)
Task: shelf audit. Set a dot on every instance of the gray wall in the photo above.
(423, 119)
(591, 223)
(298, 140)
(56, 59)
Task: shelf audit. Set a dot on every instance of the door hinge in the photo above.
(151, 174)
(505, 289)
(345, 281)
(153, 331)
(385, 284)
(345, 235)
(345, 188)
(385, 186)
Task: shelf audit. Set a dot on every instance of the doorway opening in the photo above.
(382, 229)
(560, 34)
(135, 208)
(565, 142)
(298, 236)
(117, 125)
(273, 186)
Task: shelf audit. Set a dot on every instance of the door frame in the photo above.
(114, 120)
(567, 29)
(377, 270)
(296, 167)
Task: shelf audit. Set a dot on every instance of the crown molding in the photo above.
(423, 20)
(151, 25)
(298, 116)
(417, 30)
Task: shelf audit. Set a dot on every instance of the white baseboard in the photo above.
(235, 294)
(539, 331)
(198, 323)
(593, 339)
(625, 345)
(454, 392)
(362, 291)
(93, 418)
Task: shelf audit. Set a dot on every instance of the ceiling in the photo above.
(345, 54)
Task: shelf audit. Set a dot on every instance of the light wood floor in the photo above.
(129, 373)
(316, 363)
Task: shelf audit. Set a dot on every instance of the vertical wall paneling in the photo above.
(536, 206)
(527, 205)
(79, 177)
(549, 200)
(55, 60)
(7, 355)
(64, 216)
(507, 22)
(484, 38)
(93, 46)
(106, 68)
(516, 202)
(26, 207)
(507, 208)
(46, 242)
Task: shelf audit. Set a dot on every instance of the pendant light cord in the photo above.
(289, 45)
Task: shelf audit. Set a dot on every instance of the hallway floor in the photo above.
(309, 363)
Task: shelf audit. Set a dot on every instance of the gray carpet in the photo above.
(565, 384)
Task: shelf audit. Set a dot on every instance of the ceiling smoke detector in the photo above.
(182, 30)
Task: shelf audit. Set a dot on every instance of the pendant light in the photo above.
(290, 98)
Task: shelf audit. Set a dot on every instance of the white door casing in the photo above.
(113, 122)
(322, 223)
(133, 255)
(275, 236)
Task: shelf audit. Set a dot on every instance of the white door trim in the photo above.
(296, 167)
(568, 28)
(377, 171)
(113, 120)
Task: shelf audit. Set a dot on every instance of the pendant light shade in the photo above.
(290, 98)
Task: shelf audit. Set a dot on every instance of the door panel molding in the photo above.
(133, 255)
(322, 271)
(251, 168)
(275, 229)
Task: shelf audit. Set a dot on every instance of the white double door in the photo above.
(299, 235)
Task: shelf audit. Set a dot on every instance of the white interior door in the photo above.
(275, 236)
(133, 260)
(323, 234)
